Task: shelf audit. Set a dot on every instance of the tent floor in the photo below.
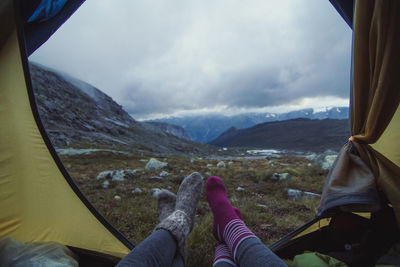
(89, 258)
(350, 238)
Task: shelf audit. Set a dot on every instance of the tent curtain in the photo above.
(376, 88)
(375, 98)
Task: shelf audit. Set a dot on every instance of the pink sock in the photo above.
(214, 228)
(223, 254)
(229, 229)
(222, 251)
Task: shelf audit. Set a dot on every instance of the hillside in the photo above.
(296, 134)
(76, 114)
(176, 130)
(205, 128)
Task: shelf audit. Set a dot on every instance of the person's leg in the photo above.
(158, 249)
(252, 252)
(223, 257)
(180, 222)
(166, 245)
(245, 247)
(166, 202)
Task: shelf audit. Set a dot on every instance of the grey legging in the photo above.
(159, 249)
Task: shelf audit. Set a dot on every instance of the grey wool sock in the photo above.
(180, 222)
(166, 201)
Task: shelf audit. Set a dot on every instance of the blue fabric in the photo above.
(47, 9)
(252, 252)
(38, 32)
(158, 249)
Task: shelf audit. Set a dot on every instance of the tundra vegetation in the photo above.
(264, 202)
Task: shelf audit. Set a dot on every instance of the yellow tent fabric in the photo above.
(376, 92)
(374, 112)
(367, 167)
(36, 201)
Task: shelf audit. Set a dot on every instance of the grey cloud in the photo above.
(166, 56)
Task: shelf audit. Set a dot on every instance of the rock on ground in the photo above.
(281, 176)
(221, 164)
(116, 175)
(154, 165)
(298, 194)
(106, 184)
(164, 174)
(240, 189)
(328, 161)
(137, 190)
(155, 191)
(325, 160)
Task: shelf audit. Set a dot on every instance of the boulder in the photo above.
(298, 194)
(116, 175)
(156, 178)
(164, 174)
(221, 164)
(106, 184)
(208, 174)
(328, 161)
(325, 160)
(104, 175)
(117, 198)
(230, 163)
(154, 165)
(209, 165)
(137, 190)
(155, 191)
(262, 206)
(281, 176)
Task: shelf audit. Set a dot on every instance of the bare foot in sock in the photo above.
(166, 201)
(221, 208)
(229, 229)
(222, 251)
(180, 222)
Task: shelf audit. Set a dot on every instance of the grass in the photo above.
(264, 203)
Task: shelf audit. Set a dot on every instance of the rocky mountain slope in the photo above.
(75, 113)
(164, 127)
(205, 128)
(296, 134)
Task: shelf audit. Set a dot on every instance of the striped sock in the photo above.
(223, 254)
(236, 232)
(228, 226)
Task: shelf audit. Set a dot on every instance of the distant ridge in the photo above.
(295, 134)
(205, 128)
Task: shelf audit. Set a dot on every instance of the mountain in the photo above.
(295, 135)
(164, 127)
(76, 113)
(205, 128)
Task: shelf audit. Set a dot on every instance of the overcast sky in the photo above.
(177, 57)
